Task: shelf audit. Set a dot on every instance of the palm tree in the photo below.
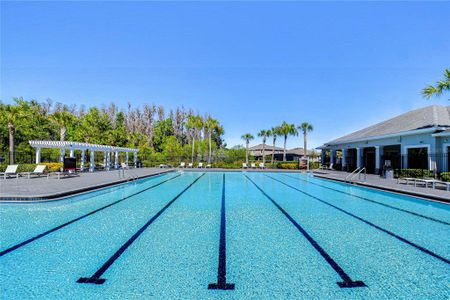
(194, 124)
(211, 124)
(12, 115)
(287, 129)
(247, 138)
(439, 88)
(263, 133)
(274, 132)
(62, 119)
(305, 127)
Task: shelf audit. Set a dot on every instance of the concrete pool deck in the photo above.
(377, 182)
(40, 188)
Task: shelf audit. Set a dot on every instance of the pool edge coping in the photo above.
(433, 198)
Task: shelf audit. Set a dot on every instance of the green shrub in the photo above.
(287, 165)
(314, 164)
(414, 173)
(445, 176)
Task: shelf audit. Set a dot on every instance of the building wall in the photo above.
(426, 140)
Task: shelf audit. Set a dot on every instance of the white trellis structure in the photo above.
(72, 146)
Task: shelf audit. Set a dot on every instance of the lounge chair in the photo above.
(124, 166)
(426, 182)
(66, 173)
(262, 166)
(182, 164)
(208, 166)
(445, 183)
(190, 165)
(253, 165)
(406, 179)
(11, 171)
(39, 170)
(244, 166)
(200, 165)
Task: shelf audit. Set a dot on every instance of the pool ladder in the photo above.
(357, 172)
(131, 177)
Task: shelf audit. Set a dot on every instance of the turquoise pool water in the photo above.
(236, 235)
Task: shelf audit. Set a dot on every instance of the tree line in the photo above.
(284, 130)
(177, 132)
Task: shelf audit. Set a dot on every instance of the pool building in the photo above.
(419, 139)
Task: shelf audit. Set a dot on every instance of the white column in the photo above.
(377, 159)
(72, 154)
(82, 160)
(344, 159)
(108, 160)
(38, 155)
(126, 159)
(104, 159)
(135, 159)
(92, 161)
(116, 160)
(62, 153)
(332, 156)
(358, 158)
(404, 155)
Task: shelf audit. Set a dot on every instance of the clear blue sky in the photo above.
(339, 65)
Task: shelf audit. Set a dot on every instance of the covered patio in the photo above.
(106, 150)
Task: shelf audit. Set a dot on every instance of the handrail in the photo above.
(349, 175)
(359, 174)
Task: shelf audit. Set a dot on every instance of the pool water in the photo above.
(233, 235)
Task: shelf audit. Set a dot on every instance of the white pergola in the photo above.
(72, 146)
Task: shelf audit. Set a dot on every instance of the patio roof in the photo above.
(79, 146)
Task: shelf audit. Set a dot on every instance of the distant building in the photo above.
(291, 154)
(419, 139)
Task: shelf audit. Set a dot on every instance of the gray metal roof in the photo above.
(426, 117)
(260, 146)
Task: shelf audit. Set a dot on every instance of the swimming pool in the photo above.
(195, 235)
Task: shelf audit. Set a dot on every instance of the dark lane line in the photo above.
(17, 246)
(347, 281)
(96, 277)
(222, 269)
(423, 249)
(373, 201)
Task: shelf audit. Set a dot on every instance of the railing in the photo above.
(351, 174)
(359, 175)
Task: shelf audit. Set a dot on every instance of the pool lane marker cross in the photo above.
(222, 269)
(96, 277)
(402, 239)
(15, 247)
(373, 201)
(347, 281)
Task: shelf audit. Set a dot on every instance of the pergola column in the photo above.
(323, 156)
(108, 160)
(82, 160)
(104, 159)
(332, 156)
(92, 161)
(38, 155)
(72, 153)
(116, 160)
(135, 159)
(126, 158)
